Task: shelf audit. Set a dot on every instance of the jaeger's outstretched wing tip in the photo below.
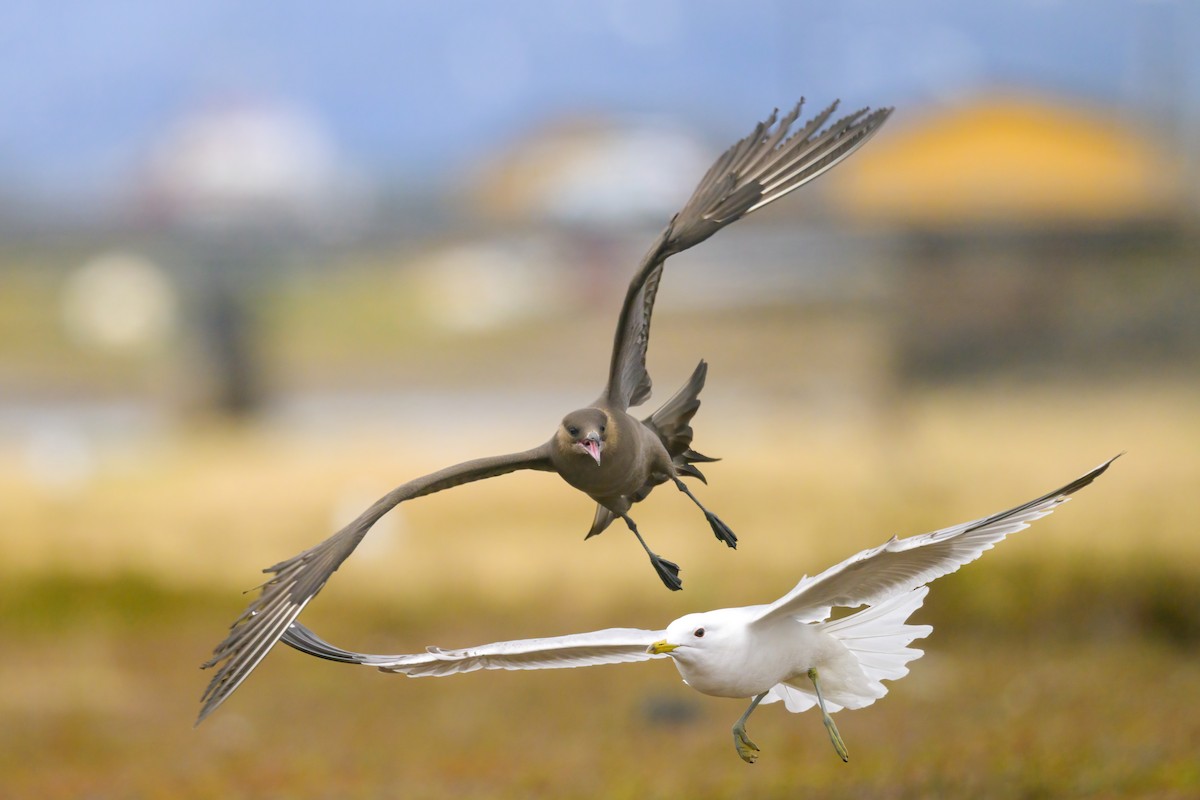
(755, 171)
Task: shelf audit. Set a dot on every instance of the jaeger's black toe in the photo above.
(722, 531)
(668, 571)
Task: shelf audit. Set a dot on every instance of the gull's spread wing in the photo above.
(759, 169)
(903, 564)
(297, 580)
(610, 646)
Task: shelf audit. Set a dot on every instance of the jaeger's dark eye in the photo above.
(698, 633)
(573, 430)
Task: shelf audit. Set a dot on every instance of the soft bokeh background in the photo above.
(260, 263)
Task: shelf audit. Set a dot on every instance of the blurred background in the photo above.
(261, 263)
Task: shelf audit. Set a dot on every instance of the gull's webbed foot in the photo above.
(746, 749)
(830, 726)
(668, 571)
(836, 738)
(721, 530)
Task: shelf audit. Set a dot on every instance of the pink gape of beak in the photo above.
(593, 447)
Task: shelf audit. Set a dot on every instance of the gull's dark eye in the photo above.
(573, 430)
(602, 429)
(698, 633)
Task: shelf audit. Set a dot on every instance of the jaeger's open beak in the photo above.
(592, 445)
(660, 647)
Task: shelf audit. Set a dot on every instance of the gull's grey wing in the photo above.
(903, 564)
(298, 579)
(758, 170)
(610, 646)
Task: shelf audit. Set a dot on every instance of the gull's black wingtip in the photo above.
(1100, 470)
(1087, 478)
(301, 638)
(206, 709)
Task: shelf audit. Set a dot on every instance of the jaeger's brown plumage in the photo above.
(601, 449)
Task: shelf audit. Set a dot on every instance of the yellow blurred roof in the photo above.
(1008, 159)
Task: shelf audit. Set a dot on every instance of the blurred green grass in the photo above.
(1062, 665)
(103, 704)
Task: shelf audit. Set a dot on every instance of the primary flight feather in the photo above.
(601, 450)
(788, 650)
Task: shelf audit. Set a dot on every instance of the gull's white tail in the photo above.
(878, 639)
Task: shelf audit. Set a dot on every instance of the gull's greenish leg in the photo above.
(747, 749)
(834, 736)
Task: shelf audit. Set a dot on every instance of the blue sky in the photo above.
(419, 87)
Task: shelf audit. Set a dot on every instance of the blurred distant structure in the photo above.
(230, 188)
(1012, 161)
(296, 216)
(1030, 232)
(592, 173)
(565, 197)
(1010, 230)
(243, 262)
(238, 163)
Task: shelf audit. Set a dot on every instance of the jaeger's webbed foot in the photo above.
(668, 571)
(746, 749)
(721, 530)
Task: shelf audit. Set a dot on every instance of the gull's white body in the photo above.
(743, 654)
(772, 652)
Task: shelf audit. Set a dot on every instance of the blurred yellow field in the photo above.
(212, 506)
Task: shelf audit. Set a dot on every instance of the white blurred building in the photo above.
(248, 162)
(594, 173)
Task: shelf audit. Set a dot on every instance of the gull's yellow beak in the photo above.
(660, 647)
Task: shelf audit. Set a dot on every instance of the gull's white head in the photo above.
(704, 637)
(716, 655)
